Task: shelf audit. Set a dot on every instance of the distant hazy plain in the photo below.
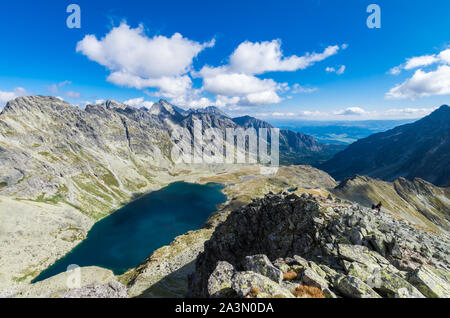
(339, 132)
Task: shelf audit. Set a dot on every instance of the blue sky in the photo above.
(312, 59)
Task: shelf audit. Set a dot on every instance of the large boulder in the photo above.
(353, 287)
(258, 229)
(65, 283)
(338, 249)
(111, 290)
(312, 278)
(256, 285)
(219, 283)
(390, 284)
(260, 264)
(431, 282)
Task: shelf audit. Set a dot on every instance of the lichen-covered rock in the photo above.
(311, 278)
(298, 263)
(353, 287)
(328, 293)
(390, 284)
(110, 290)
(378, 241)
(317, 250)
(330, 273)
(219, 283)
(354, 269)
(357, 253)
(317, 269)
(244, 282)
(57, 286)
(281, 265)
(256, 229)
(432, 283)
(260, 264)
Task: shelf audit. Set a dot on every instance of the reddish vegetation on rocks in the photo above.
(308, 291)
(290, 275)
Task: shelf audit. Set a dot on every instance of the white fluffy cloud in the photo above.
(138, 102)
(354, 111)
(444, 56)
(422, 61)
(165, 64)
(423, 83)
(136, 60)
(238, 83)
(6, 96)
(261, 57)
(72, 94)
(55, 89)
(340, 70)
(276, 114)
(299, 89)
(419, 61)
(408, 112)
(235, 84)
(261, 98)
(241, 89)
(350, 113)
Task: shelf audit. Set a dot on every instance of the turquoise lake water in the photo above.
(127, 237)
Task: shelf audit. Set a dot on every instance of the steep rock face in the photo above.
(251, 122)
(93, 159)
(209, 110)
(209, 120)
(420, 149)
(338, 248)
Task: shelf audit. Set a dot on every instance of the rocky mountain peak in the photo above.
(31, 104)
(209, 110)
(162, 107)
(443, 109)
(112, 104)
(248, 121)
(440, 116)
(352, 181)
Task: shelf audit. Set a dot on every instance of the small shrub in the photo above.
(290, 275)
(253, 292)
(308, 291)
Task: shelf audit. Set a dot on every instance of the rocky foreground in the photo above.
(286, 245)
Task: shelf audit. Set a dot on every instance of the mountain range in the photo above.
(62, 168)
(420, 149)
(97, 157)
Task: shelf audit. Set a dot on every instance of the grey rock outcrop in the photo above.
(431, 282)
(309, 241)
(245, 283)
(110, 290)
(260, 264)
(219, 283)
